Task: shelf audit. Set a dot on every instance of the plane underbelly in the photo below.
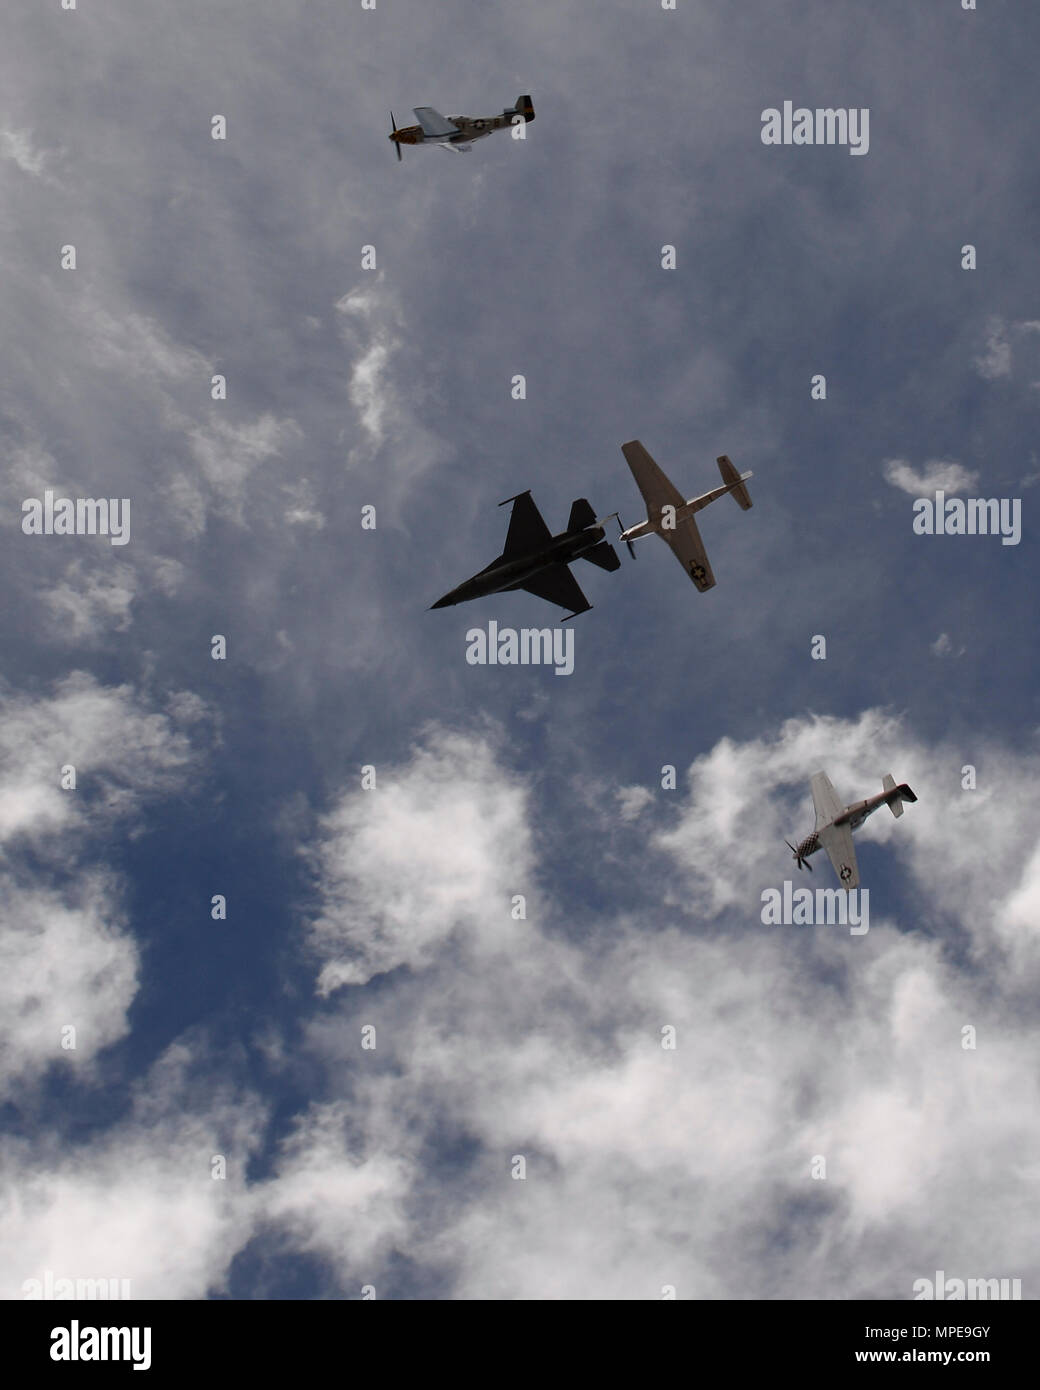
(511, 576)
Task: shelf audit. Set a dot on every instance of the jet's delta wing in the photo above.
(527, 528)
(556, 584)
(433, 123)
(837, 841)
(528, 533)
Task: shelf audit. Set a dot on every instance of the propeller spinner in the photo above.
(802, 863)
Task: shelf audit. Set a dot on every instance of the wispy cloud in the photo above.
(995, 360)
(538, 1044)
(935, 476)
(17, 145)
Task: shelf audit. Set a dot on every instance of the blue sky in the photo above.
(496, 1038)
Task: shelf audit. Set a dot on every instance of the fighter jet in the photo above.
(670, 515)
(536, 560)
(835, 824)
(455, 132)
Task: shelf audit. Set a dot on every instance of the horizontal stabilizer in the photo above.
(902, 793)
(581, 515)
(603, 555)
(731, 476)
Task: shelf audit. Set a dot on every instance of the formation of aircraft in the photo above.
(835, 824)
(456, 132)
(670, 515)
(536, 560)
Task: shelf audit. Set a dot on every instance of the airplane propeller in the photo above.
(397, 143)
(616, 516)
(802, 863)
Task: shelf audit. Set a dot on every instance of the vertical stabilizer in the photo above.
(731, 476)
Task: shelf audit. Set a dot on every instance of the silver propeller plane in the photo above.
(835, 824)
(456, 132)
(670, 515)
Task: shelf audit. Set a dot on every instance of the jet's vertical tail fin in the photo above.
(902, 793)
(523, 105)
(581, 515)
(731, 476)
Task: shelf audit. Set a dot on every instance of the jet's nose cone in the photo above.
(444, 602)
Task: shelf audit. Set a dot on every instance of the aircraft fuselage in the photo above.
(654, 528)
(470, 128)
(654, 525)
(853, 816)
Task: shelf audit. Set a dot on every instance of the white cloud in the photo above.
(167, 574)
(943, 646)
(135, 345)
(67, 956)
(139, 1201)
(371, 324)
(302, 508)
(89, 603)
(632, 801)
(998, 359)
(371, 319)
(228, 454)
(18, 145)
(439, 846)
(121, 752)
(995, 361)
(691, 1167)
(936, 476)
(65, 961)
(326, 1197)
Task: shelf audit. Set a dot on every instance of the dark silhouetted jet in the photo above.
(536, 560)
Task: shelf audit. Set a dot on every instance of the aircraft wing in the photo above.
(556, 584)
(688, 549)
(527, 531)
(433, 123)
(837, 841)
(456, 149)
(825, 799)
(658, 491)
